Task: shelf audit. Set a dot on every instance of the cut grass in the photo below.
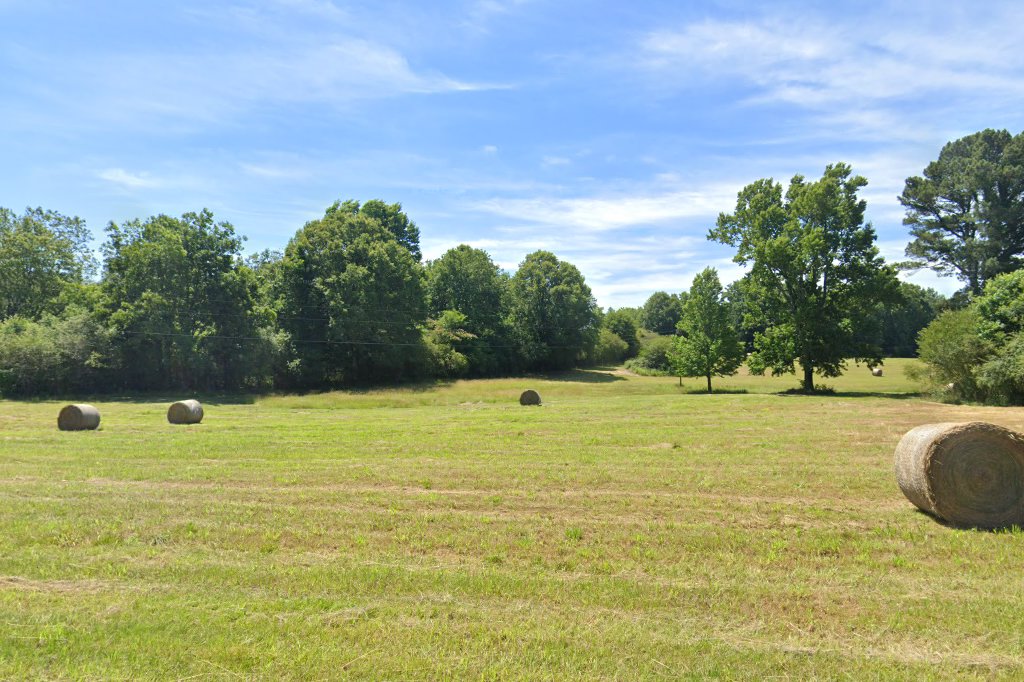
(626, 528)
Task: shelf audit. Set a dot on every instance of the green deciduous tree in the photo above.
(661, 313)
(623, 324)
(468, 281)
(815, 272)
(389, 216)
(902, 319)
(41, 254)
(182, 305)
(707, 345)
(553, 315)
(967, 211)
(352, 301)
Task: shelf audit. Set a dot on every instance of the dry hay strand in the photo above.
(185, 412)
(969, 474)
(876, 371)
(529, 397)
(79, 417)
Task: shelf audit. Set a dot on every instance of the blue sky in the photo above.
(609, 133)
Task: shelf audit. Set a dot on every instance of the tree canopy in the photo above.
(352, 300)
(41, 254)
(708, 344)
(553, 314)
(466, 280)
(815, 271)
(661, 313)
(966, 212)
(181, 303)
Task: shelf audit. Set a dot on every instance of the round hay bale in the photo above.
(970, 474)
(78, 418)
(876, 371)
(529, 397)
(185, 412)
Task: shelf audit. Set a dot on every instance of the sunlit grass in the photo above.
(627, 528)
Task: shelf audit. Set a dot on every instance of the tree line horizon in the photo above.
(349, 300)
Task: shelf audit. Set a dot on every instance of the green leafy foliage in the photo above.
(42, 253)
(653, 357)
(609, 349)
(466, 280)
(53, 355)
(389, 216)
(707, 344)
(622, 323)
(661, 313)
(902, 319)
(352, 301)
(182, 305)
(553, 315)
(953, 353)
(966, 212)
(816, 275)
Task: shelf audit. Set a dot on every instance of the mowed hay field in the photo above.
(627, 528)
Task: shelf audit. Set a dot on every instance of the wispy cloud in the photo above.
(126, 180)
(813, 63)
(615, 211)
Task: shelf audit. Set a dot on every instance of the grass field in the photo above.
(628, 528)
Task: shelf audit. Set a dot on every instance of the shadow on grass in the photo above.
(848, 394)
(717, 391)
(141, 397)
(1008, 529)
(585, 376)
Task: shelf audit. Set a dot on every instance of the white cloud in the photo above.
(489, 149)
(549, 161)
(615, 212)
(124, 179)
(887, 76)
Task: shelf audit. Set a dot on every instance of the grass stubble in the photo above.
(628, 528)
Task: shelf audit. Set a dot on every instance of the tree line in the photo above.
(347, 302)
(174, 304)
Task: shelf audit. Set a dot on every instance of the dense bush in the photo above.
(610, 349)
(953, 352)
(53, 355)
(653, 357)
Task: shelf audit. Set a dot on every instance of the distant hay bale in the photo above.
(970, 474)
(876, 371)
(185, 412)
(78, 418)
(529, 397)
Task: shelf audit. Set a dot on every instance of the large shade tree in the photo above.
(661, 313)
(466, 280)
(966, 212)
(815, 272)
(553, 317)
(352, 301)
(182, 304)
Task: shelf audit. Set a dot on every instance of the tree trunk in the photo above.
(808, 376)
(680, 379)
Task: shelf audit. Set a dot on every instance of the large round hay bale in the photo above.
(78, 418)
(185, 412)
(529, 397)
(970, 474)
(876, 371)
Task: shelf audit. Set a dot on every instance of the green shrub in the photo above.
(610, 349)
(954, 352)
(654, 356)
